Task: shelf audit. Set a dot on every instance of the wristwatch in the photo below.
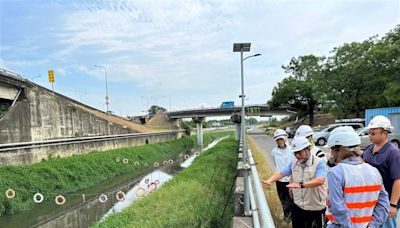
(393, 205)
(301, 185)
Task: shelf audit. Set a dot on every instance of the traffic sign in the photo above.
(51, 76)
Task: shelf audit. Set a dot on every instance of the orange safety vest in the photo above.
(361, 191)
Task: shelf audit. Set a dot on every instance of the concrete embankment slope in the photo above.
(38, 114)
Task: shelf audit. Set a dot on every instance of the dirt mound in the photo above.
(319, 120)
(160, 121)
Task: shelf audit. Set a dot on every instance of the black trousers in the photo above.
(307, 219)
(286, 201)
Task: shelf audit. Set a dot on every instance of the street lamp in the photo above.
(105, 76)
(147, 103)
(244, 47)
(169, 100)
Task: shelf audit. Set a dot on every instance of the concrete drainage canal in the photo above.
(85, 208)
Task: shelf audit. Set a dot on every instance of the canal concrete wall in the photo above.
(38, 114)
(36, 152)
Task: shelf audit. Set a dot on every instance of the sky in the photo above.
(176, 54)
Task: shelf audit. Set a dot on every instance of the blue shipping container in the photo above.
(392, 113)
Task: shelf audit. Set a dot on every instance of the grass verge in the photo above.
(67, 175)
(265, 170)
(195, 197)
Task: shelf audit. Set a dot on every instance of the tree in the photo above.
(300, 89)
(348, 75)
(154, 109)
(354, 77)
(392, 93)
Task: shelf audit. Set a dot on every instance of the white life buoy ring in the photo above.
(156, 164)
(170, 161)
(10, 193)
(186, 157)
(125, 161)
(38, 198)
(165, 162)
(117, 159)
(103, 198)
(60, 200)
(146, 165)
(120, 196)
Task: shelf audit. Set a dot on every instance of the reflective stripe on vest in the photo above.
(355, 220)
(361, 191)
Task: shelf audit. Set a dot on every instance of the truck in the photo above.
(227, 104)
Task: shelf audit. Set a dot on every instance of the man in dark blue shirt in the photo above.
(385, 156)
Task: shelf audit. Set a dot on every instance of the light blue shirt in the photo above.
(337, 206)
(321, 171)
(282, 157)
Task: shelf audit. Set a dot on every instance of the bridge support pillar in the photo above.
(236, 120)
(199, 123)
(237, 131)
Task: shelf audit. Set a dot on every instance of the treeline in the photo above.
(355, 76)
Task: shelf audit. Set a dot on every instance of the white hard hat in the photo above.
(380, 122)
(343, 136)
(304, 131)
(280, 134)
(299, 143)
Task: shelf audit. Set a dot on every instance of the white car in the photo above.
(321, 135)
(363, 133)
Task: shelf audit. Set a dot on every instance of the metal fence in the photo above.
(260, 212)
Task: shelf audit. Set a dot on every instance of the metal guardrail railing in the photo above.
(35, 144)
(260, 211)
(266, 218)
(213, 108)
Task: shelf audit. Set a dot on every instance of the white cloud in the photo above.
(185, 48)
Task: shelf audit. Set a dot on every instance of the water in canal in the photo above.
(81, 211)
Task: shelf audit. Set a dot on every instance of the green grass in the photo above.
(195, 197)
(71, 174)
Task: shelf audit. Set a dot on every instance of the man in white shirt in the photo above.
(283, 156)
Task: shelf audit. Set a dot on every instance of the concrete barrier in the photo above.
(33, 152)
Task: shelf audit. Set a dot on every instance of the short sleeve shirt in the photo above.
(387, 161)
(321, 170)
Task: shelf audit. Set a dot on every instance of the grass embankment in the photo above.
(195, 197)
(266, 170)
(68, 175)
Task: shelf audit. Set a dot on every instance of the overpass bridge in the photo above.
(262, 110)
(199, 115)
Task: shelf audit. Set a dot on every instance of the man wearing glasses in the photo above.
(384, 156)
